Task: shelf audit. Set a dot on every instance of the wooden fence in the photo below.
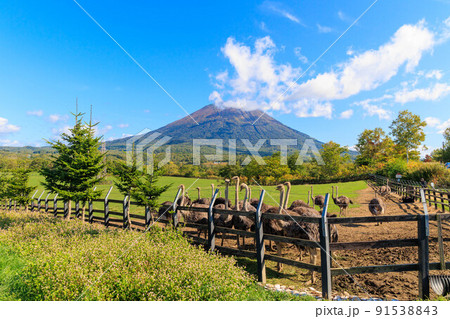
(411, 189)
(125, 219)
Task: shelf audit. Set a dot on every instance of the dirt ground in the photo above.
(402, 286)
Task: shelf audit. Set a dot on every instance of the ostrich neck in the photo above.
(182, 196)
(286, 200)
(281, 201)
(246, 198)
(236, 197)
(226, 195)
(198, 193)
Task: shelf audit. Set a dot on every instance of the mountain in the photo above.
(225, 124)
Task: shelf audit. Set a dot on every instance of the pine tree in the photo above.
(4, 187)
(18, 188)
(78, 164)
(147, 192)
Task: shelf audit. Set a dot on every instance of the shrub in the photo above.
(77, 261)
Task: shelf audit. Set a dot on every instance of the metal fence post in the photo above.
(46, 203)
(211, 227)
(125, 212)
(32, 201)
(148, 217)
(423, 251)
(106, 221)
(77, 209)
(91, 211)
(259, 240)
(39, 201)
(175, 209)
(55, 206)
(66, 209)
(325, 251)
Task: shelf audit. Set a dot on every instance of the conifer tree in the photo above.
(4, 186)
(147, 192)
(18, 188)
(77, 165)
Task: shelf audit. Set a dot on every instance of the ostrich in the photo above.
(236, 195)
(274, 226)
(182, 200)
(318, 200)
(295, 203)
(307, 231)
(385, 190)
(342, 201)
(225, 201)
(376, 206)
(243, 222)
(199, 200)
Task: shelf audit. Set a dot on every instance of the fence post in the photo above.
(325, 251)
(39, 201)
(423, 250)
(91, 211)
(148, 217)
(442, 202)
(107, 207)
(46, 203)
(440, 242)
(32, 201)
(66, 209)
(125, 213)
(55, 206)
(175, 208)
(435, 200)
(10, 204)
(211, 228)
(259, 240)
(77, 209)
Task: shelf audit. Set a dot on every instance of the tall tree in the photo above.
(147, 192)
(77, 165)
(407, 130)
(18, 188)
(373, 146)
(334, 156)
(4, 186)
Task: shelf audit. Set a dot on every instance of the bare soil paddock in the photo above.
(402, 286)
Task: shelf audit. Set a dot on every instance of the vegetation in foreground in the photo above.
(43, 258)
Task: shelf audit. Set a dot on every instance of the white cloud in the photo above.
(60, 130)
(346, 114)
(278, 9)
(438, 124)
(103, 130)
(123, 125)
(342, 16)
(431, 93)
(257, 81)
(10, 143)
(372, 68)
(35, 113)
(300, 56)
(308, 108)
(375, 107)
(324, 29)
(437, 74)
(57, 118)
(5, 127)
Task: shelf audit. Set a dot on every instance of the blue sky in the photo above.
(234, 53)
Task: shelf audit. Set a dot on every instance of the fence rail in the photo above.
(125, 219)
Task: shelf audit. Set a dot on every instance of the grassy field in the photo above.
(272, 196)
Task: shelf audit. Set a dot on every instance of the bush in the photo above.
(431, 172)
(77, 261)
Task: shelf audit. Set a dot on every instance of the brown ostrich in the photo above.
(243, 222)
(199, 200)
(274, 226)
(318, 200)
(376, 206)
(225, 201)
(342, 201)
(295, 203)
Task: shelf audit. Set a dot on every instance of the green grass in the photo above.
(44, 258)
(349, 189)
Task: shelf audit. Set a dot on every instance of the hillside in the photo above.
(225, 123)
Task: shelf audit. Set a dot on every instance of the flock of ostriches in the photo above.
(294, 229)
